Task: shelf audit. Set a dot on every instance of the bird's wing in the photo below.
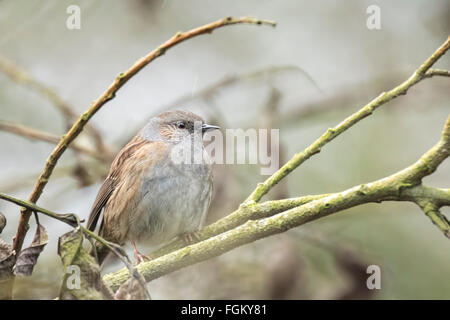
(102, 198)
(120, 168)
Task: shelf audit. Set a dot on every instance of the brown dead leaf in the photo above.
(82, 280)
(28, 257)
(7, 258)
(2, 222)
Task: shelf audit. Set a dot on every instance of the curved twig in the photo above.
(109, 94)
(18, 75)
(32, 133)
(69, 218)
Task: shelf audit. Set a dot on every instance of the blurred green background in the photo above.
(326, 41)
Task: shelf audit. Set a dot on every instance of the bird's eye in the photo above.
(181, 125)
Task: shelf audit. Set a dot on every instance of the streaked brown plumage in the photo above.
(141, 175)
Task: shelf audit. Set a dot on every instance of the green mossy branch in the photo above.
(402, 186)
(68, 218)
(244, 213)
(332, 133)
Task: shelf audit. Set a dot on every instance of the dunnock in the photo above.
(159, 185)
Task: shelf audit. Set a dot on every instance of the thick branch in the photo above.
(389, 188)
(240, 216)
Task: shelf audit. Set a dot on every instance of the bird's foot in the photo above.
(139, 257)
(190, 237)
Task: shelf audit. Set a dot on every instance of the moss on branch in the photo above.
(402, 186)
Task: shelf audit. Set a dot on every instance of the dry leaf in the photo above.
(6, 255)
(2, 222)
(28, 257)
(7, 258)
(82, 280)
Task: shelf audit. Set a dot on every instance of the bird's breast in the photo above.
(174, 199)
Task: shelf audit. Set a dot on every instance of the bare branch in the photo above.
(212, 89)
(437, 72)
(68, 218)
(28, 132)
(439, 220)
(243, 214)
(18, 75)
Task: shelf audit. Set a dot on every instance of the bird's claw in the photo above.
(139, 257)
(191, 237)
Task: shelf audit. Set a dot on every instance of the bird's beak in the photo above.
(208, 127)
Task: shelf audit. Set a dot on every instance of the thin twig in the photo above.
(28, 132)
(69, 218)
(212, 89)
(208, 92)
(18, 75)
(437, 72)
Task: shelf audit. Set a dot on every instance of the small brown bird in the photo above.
(159, 185)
